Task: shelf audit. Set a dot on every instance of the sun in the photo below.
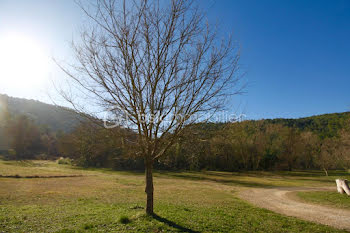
(23, 62)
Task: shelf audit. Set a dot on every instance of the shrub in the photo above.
(124, 220)
(88, 226)
(42, 157)
(62, 160)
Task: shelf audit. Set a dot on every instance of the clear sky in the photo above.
(296, 54)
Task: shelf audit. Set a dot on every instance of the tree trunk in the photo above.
(325, 171)
(149, 187)
(290, 166)
(342, 186)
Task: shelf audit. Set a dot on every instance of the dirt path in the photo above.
(283, 201)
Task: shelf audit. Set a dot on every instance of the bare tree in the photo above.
(328, 155)
(159, 64)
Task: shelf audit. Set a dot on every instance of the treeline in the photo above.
(27, 140)
(259, 145)
(321, 142)
(90, 145)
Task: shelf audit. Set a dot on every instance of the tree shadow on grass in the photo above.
(218, 180)
(233, 178)
(172, 224)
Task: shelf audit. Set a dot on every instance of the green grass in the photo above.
(333, 199)
(102, 200)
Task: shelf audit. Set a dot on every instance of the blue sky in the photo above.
(296, 54)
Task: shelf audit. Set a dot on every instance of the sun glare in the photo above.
(23, 63)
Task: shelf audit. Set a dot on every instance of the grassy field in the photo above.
(100, 200)
(333, 199)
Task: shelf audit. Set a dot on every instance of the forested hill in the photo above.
(326, 125)
(53, 117)
(58, 119)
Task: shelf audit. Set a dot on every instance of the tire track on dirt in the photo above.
(282, 200)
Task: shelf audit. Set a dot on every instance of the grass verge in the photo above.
(328, 198)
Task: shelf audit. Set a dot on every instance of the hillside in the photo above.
(326, 125)
(55, 118)
(50, 116)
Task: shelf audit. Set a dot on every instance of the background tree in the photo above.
(92, 146)
(160, 64)
(25, 137)
(328, 156)
(311, 144)
(291, 147)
